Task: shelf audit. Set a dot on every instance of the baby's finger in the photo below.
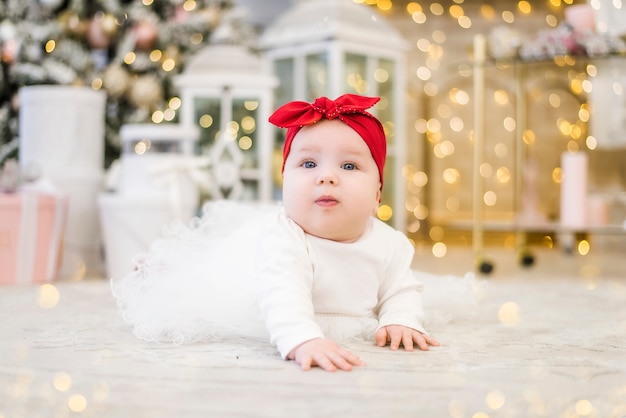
(407, 341)
(431, 341)
(420, 340)
(351, 358)
(339, 361)
(323, 361)
(306, 362)
(394, 340)
(381, 337)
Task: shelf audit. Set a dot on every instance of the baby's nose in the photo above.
(327, 177)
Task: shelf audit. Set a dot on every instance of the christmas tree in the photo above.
(130, 48)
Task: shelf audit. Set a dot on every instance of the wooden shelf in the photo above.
(554, 227)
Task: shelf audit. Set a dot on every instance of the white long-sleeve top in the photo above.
(301, 277)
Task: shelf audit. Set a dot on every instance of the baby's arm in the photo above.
(400, 311)
(285, 279)
(399, 334)
(324, 353)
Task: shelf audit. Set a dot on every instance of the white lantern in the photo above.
(332, 47)
(156, 182)
(157, 159)
(226, 92)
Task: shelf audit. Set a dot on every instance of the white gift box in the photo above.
(62, 130)
(130, 224)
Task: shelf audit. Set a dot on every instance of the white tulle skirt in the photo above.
(196, 283)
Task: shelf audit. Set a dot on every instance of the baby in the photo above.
(333, 258)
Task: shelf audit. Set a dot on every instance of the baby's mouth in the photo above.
(326, 201)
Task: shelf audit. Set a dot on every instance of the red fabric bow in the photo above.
(349, 108)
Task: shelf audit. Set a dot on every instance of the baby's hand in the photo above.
(324, 353)
(396, 334)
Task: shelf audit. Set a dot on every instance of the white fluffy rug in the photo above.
(537, 347)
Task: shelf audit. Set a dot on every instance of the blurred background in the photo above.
(138, 111)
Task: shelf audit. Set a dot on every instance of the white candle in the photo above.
(573, 189)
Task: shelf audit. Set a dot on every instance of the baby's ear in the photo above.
(378, 197)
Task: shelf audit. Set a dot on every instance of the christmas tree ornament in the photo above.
(108, 24)
(10, 50)
(96, 36)
(146, 91)
(71, 24)
(146, 35)
(9, 41)
(180, 14)
(116, 81)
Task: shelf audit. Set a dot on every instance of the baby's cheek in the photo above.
(376, 205)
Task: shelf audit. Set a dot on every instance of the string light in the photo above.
(50, 46)
(448, 129)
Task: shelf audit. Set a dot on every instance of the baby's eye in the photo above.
(348, 166)
(309, 164)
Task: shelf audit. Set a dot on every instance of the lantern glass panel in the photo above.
(284, 69)
(244, 130)
(207, 115)
(316, 75)
(355, 77)
(383, 75)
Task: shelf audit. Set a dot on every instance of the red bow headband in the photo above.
(349, 108)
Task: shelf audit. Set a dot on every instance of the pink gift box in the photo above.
(31, 232)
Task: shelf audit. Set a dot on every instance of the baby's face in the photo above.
(331, 184)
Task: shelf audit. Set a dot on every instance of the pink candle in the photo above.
(574, 189)
(581, 17)
(598, 210)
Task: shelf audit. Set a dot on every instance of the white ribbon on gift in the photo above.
(60, 219)
(26, 247)
(171, 173)
(29, 221)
